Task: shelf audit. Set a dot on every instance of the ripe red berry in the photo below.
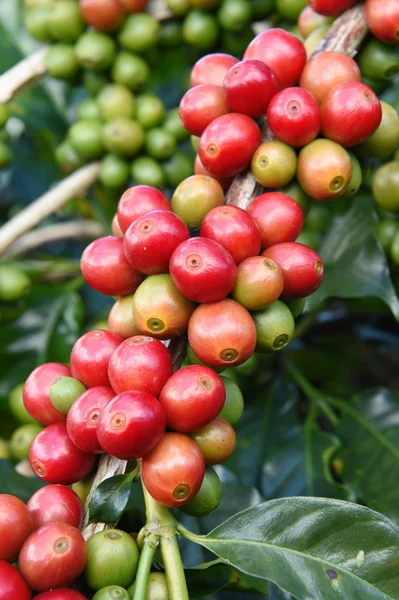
(140, 363)
(173, 472)
(105, 268)
(61, 594)
(192, 398)
(56, 504)
(331, 8)
(234, 229)
(139, 200)
(327, 70)
(53, 556)
(259, 283)
(90, 357)
(12, 584)
(37, 393)
(222, 334)
(133, 6)
(294, 116)
(383, 19)
(104, 15)
(212, 68)
(302, 268)
(249, 86)
(55, 459)
(216, 441)
(203, 270)
(151, 239)
(201, 105)
(282, 52)
(83, 416)
(350, 113)
(199, 169)
(228, 143)
(278, 217)
(131, 425)
(16, 525)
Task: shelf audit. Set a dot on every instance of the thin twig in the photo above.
(26, 72)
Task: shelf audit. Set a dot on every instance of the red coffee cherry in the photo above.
(383, 20)
(302, 268)
(216, 441)
(139, 200)
(174, 470)
(331, 8)
(61, 594)
(199, 169)
(116, 228)
(90, 357)
(53, 556)
(36, 393)
(327, 70)
(278, 217)
(350, 113)
(55, 459)
(133, 6)
(192, 398)
(151, 240)
(131, 425)
(294, 116)
(140, 363)
(203, 270)
(104, 15)
(259, 283)
(212, 68)
(83, 417)
(234, 229)
(249, 86)
(282, 52)
(106, 270)
(56, 504)
(200, 106)
(16, 525)
(12, 584)
(222, 334)
(228, 143)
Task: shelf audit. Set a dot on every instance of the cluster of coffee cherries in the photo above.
(44, 538)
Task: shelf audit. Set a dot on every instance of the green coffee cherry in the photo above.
(94, 82)
(296, 306)
(309, 238)
(114, 171)
(116, 101)
(159, 143)
(86, 137)
(13, 283)
(234, 403)
(261, 8)
(294, 191)
(385, 233)
(290, 9)
(95, 50)
(130, 70)
(65, 21)
(356, 179)
(178, 167)
(22, 439)
(318, 218)
(150, 111)
(385, 139)
(67, 158)
(31, 4)
(147, 171)
(395, 249)
(139, 32)
(36, 23)
(314, 39)
(178, 7)
(195, 142)
(17, 407)
(157, 587)
(385, 186)
(174, 125)
(111, 592)
(378, 61)
(237, 44)
(208, 498)
(5, 136)
(64, 392)
(171, 35)
(234, 15)
(4, 450)
(275, 327)
(88, 110)
(123, 136)
(200, 30)
(61, 61)
(4, 114)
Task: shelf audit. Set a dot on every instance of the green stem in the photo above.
(146, 558)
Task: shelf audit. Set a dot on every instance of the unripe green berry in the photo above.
(147, 171)
(139, 32)
(174, 125)
(64, 392)
(160, 143)
(95, 50)
(22, 439)
(88, 110)
(36, 23)
(61, 61)
(65, 21)
(275, 327)
(123, 136)
(130, 70)
(114, 171)
(234, 403)
(208, 498)
(86, 138)
(116, 101)
(150, 111)
(13, 283)
(4, 114)
(17, 407)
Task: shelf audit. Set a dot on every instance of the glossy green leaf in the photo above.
(313, 548)
(110, 498)
(355, 264)
(17, 485)
(214, 576)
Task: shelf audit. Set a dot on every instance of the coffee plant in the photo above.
(199, 242)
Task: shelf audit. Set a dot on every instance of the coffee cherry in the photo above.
(105, 15)
(274, 164)
(259, 283)
(383, 20)
(16, 525)
(326, 71)
(53, 556)
(22, 439)
(208, 498)
(200, 30)
(159, 143)
(331, 8)
(275, 327)
(147, 171)
(139, 200)
(61, 594)
(67, 158)
(112, 592)
(130, 70)
(83, 417)
(324, 169)
(106, 269)
(313, 40)
(160, 309)
(131, 425)
(151, 240)
(378, 61)
(123, 136)
(199, 169)
(55, 459)
(139, 32)
(192, 397)
(234, 229)
(228, 143)
(385, 186)
(234, 403)
(344, 125)
(12, 584)
(64, 392)
(141, 364)
(222, 334)
(65, 21)
(355, 180)
(61, 62)
(203, 270)
(385, 233)
(120, 318)
(212, 69)
(249, 86)
(112, 559)
(200, 106)
(282, 52)
(115, 101)
(114, 172)
(195, 197)
(177, 168)
(95, 50)
(150, 111)
(90, 357)
(173, 472)
(157, 587)
(55, 504)
(133, 6)
(302, 268)
(216, 441)
(309, 20)
(86, 137)
(36, 393)
(174, 125)
(17, 407)
(278, 217)
(294, 116)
